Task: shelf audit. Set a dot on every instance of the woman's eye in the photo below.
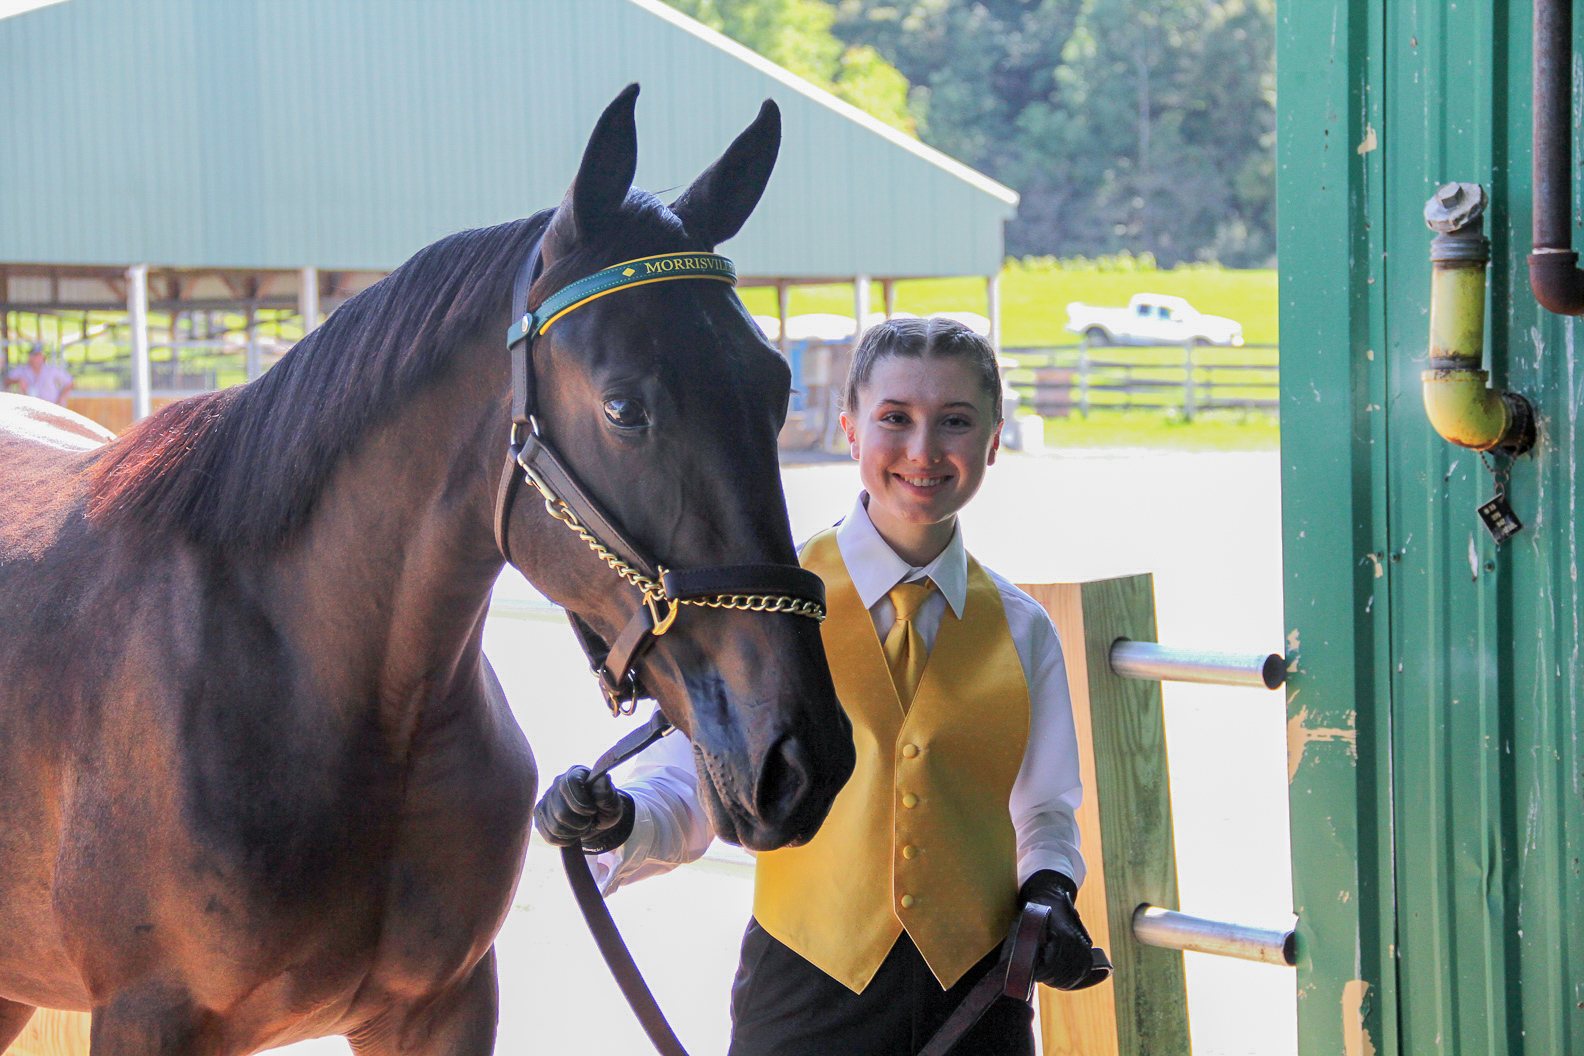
(628, 414)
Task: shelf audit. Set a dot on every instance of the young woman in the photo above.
(962, 805)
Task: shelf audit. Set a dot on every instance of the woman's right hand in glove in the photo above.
(594, 814)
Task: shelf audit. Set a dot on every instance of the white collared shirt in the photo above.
(670, 828)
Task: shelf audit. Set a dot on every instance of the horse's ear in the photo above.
(718, 203)
(604, 177)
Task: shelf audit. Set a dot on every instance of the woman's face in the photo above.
(923, 433)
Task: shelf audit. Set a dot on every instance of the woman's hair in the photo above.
(917, 338)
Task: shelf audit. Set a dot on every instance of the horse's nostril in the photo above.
(784, 781)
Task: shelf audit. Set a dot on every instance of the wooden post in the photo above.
(1190, 393)
(993, 309)
(1126, 827)
(52, 1033)
(137, 308)
(254, 366)
(1083, 375)
(860, 306)
(783, 303)
(888, 295)
(308, 299)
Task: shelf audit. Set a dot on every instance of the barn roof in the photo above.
(346, 134)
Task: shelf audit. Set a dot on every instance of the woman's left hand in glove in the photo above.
(1066, 958)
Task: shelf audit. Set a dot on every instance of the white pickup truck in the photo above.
(1151, 319)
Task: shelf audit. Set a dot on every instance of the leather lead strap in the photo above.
(596, 914)
(617, 957)
(1013, 976)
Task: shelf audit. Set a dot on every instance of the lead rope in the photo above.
(1013, 976)
(596, 914)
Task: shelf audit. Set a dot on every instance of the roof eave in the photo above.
(977, 179)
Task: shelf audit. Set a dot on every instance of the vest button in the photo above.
(910, 801)
(909, 750)
(910, 851)
(907, 901)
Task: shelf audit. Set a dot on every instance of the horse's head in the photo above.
(665, 402)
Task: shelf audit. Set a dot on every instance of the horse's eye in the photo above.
(629, 414)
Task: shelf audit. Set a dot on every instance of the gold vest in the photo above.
(921, 837)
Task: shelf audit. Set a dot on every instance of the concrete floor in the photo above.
(1207, 525)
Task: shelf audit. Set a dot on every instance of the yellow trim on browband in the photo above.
(624, 286)
(545, 326)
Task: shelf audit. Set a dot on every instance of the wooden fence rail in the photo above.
(1190, 379)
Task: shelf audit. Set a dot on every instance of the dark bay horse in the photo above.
(257, 780)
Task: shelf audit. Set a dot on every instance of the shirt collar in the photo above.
(875, 568)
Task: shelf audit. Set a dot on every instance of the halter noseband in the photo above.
(529, 455)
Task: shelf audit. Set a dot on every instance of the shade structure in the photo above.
(346, 134)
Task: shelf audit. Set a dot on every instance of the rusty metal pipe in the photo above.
(1554, 276)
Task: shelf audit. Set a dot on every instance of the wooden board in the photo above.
(112, 412)
(1125, 825)
(52, 1033)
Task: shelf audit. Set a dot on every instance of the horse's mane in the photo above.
(242, 467)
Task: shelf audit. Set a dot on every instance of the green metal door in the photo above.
(1436, 727)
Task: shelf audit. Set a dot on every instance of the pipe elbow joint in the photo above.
(1556, 281)
(1466, 411)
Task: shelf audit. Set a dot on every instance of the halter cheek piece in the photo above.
(530, 456)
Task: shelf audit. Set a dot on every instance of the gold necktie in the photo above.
(905, 652)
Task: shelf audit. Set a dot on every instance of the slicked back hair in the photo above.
(917, 339)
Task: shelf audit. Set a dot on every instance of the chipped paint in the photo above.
(1356, 1039)
(1370, 141)
(1376, 558)
(1299, 737)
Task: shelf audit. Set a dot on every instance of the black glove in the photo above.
(594, 814)
(1066, 959)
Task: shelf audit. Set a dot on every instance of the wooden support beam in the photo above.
(993, 309)
(1125, 824)
(860, 303)
(52, 1033)
(783, 301)
(308, 299)
(137, 310)
(254, 365)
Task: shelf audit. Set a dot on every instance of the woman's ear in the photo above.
(995, 443)
(851, 429)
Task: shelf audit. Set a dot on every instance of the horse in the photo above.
(257, 780)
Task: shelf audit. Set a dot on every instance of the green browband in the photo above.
(640, 272)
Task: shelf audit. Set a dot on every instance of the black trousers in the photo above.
(784, 1006)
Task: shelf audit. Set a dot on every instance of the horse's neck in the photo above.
(398, 558)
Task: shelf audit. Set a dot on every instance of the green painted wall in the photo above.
(1435, 703)
(347, 134)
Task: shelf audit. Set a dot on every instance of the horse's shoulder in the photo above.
(29, 420)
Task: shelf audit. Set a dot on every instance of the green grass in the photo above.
(1212, 431)
(1034, 299)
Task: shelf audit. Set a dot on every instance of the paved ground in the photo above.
(1207, 525)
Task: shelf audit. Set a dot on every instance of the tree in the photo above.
(1139, 125)
(796, 34)
(1145, 125)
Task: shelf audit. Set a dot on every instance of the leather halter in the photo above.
(530, 456)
